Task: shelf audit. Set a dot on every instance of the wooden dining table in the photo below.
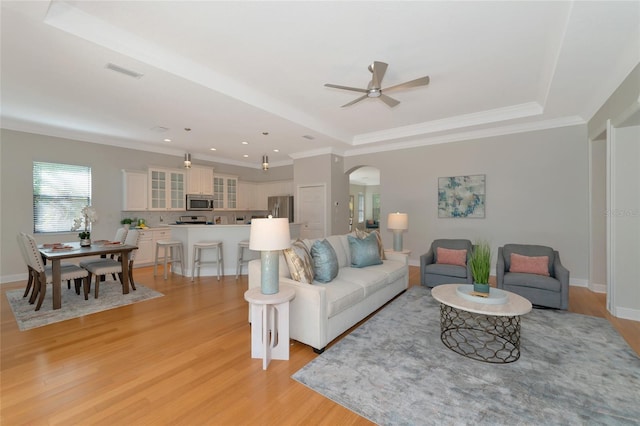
(55, 256)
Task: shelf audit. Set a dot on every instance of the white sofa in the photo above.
(320, 312)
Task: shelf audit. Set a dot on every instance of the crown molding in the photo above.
(451, 123)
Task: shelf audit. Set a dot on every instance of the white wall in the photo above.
(537, 192)
(624, 214)
(598, 222)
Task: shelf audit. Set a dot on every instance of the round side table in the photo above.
(269, 323)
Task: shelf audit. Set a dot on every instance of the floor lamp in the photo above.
(269, 236)
(398, 223)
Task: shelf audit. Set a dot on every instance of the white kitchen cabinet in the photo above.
(166, 189)
(146, 249)
(134, 191)
(225, 192)
(247, 196)
(147, 245)
(200, 180)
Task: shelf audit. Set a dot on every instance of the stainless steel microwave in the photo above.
(199, 202)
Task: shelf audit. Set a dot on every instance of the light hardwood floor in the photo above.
(182, 359)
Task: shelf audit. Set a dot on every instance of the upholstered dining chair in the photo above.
(32, 283)
(446, 263)
(102, 267)
(44, 275)
(535, 273)
(121, 236)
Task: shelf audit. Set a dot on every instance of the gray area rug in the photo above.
(394, 370)
(73, 305)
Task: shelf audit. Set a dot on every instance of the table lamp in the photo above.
(269, 236)
(397, 222)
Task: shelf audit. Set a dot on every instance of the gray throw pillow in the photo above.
(325, 261)
(364, 252)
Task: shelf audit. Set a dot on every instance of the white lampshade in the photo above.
(398, 221)
(269, 234)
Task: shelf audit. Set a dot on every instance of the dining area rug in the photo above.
(73, 305)
(394, 370)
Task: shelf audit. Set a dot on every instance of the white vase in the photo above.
(85, 242)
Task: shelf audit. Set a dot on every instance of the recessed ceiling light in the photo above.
(167, 140)
(276, 150)
(245, 156)
(265, 133)
(308, 137)
(212, 149)
(245, 143)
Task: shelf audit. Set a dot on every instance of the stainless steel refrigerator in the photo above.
(281, 206)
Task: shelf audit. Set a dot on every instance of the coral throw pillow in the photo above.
(451, 257)
(538, 265)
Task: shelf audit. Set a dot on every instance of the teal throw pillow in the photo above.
(325, 261)
(364, 252)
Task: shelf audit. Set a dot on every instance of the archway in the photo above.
(364, 197)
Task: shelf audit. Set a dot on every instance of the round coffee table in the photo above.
(482, 329)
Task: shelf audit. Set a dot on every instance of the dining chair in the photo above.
(102, 267)
(44, 275)
(121, 236)
(32, 284)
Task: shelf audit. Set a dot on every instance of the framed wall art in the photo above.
(461, 196)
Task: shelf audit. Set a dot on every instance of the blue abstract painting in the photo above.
(461, 196)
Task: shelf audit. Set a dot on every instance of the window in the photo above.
(60, 191)
(360, 207)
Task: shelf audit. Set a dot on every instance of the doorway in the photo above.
(364, 190)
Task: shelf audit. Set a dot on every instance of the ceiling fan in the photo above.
(374, 89)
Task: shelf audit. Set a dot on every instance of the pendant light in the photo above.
(187, 161)
(265, 163)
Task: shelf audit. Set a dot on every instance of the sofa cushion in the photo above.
(529, 264)
(371, 281)
(341, 247)
(533, 281)
(364, 252)
(451, 257)
(393, 270)
(341, 295)
(299, 262)
(325, 262)
(444, 269)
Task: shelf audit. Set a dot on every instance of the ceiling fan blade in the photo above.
(388, 100)
(422, 81)
(378, 69)
(353, 89)
(354, 101)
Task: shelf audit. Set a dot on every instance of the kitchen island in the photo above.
(230, 235)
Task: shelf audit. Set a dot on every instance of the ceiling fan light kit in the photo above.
(374, 88)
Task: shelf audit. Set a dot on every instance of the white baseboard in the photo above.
(578, 282)
(598, 288)
(627, 313)
(5, 279)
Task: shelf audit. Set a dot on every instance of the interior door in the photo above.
(312, 211)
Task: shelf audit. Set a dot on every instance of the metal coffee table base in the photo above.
(488, 338)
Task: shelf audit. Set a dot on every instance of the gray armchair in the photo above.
(549, 291)
(433, 273)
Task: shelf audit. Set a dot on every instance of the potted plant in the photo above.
(480, 264)
(88, 217)
(126, 222)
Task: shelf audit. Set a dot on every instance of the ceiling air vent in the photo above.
(125, 71)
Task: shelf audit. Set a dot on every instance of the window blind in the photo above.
(60, 191)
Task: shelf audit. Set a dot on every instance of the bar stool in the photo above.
(244, 244)
(197, 256)
(172, 252)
